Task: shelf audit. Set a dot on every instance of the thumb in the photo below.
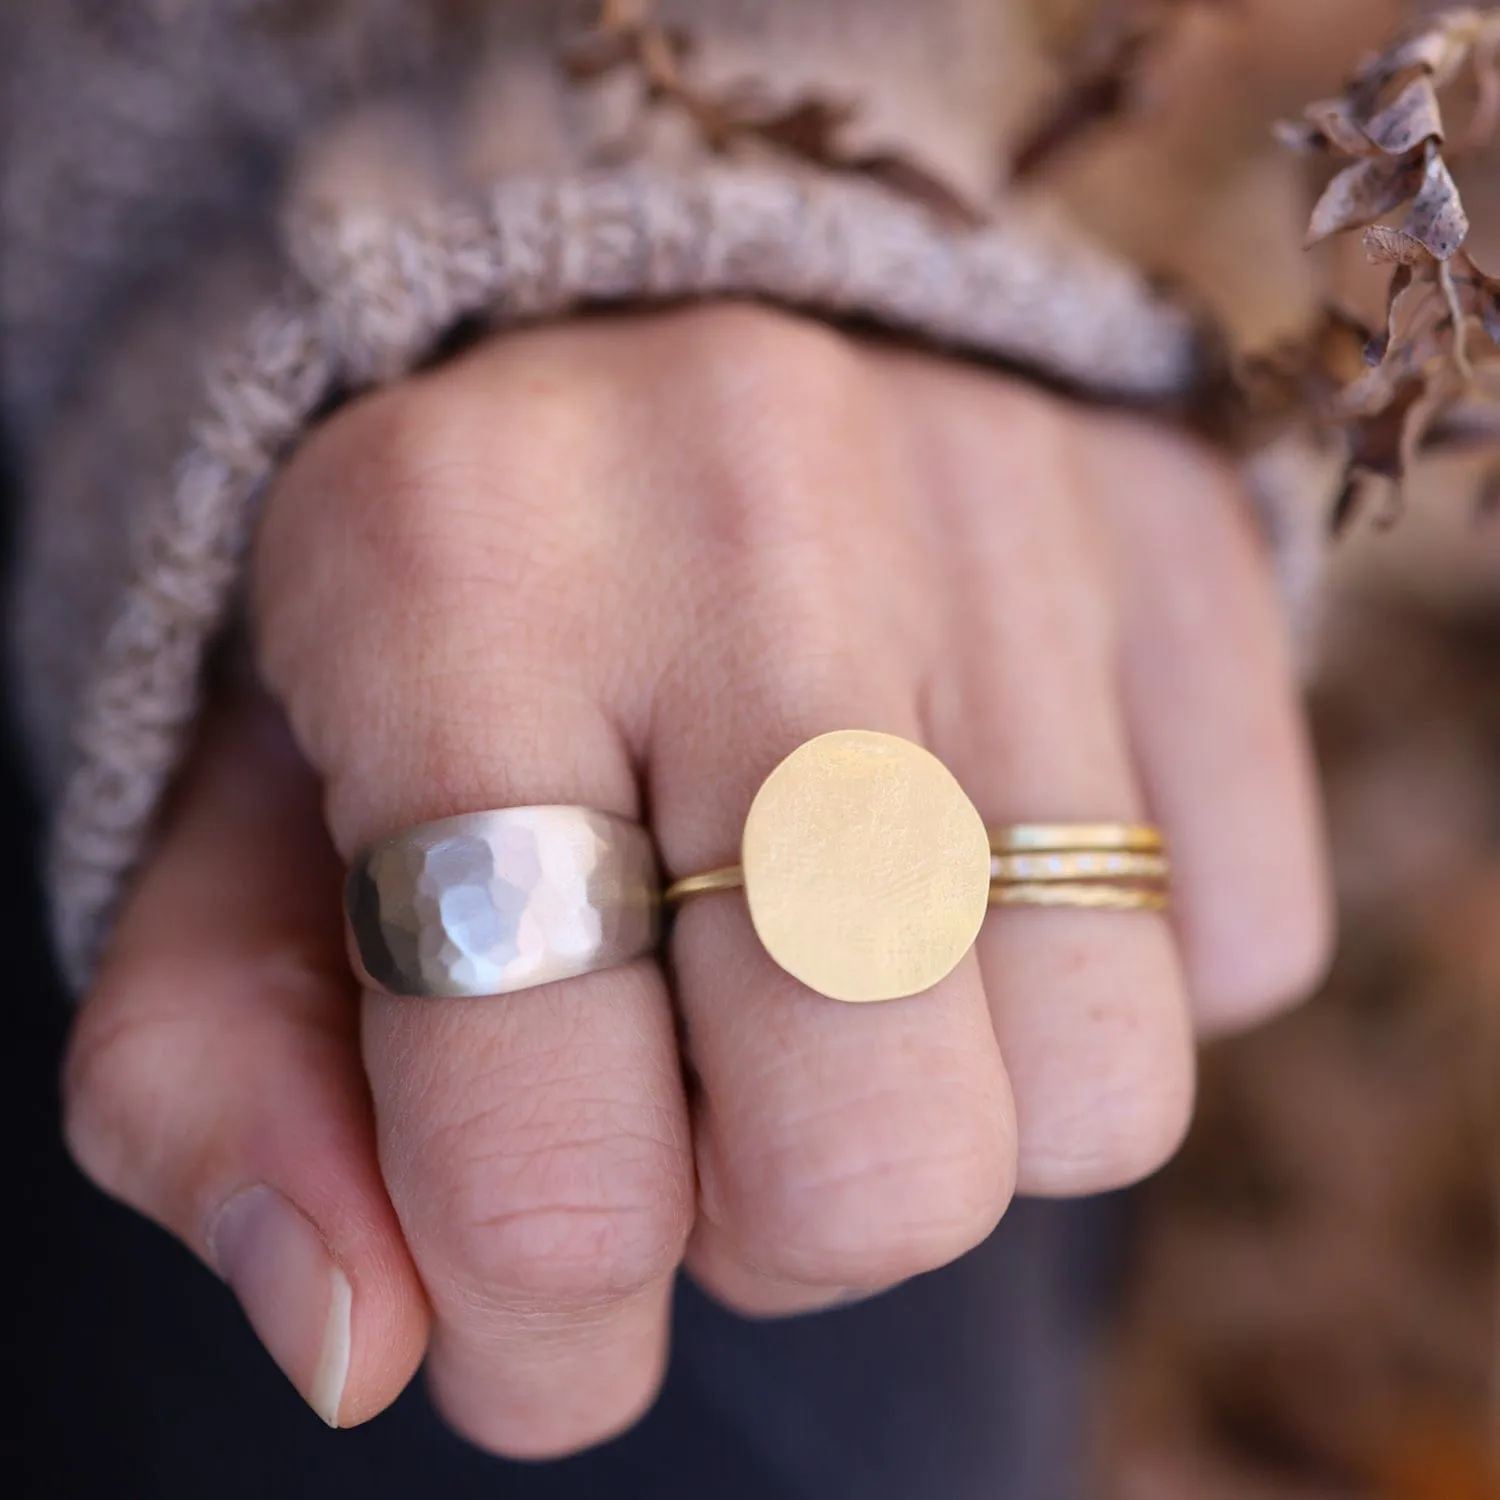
(213, 1077)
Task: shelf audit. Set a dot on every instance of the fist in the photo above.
(631, 563)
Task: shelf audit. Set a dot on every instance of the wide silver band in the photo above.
(492, 902)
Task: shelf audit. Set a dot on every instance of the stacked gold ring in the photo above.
(1102, 866)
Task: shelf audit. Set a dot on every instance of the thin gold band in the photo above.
(730, 878)
(1023, 838)
(1097, 897)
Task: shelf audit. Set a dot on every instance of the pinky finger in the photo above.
(213, 1078)
(1211, 696)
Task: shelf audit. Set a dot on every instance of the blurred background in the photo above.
(1310, 1305)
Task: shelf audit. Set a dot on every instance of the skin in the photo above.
(631, 563)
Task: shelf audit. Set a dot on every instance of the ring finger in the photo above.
(1089, 1006)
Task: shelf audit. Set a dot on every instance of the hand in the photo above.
(631, 563)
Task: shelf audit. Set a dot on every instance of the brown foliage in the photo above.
(628, 37)
(1427, 382)
(1102, 77)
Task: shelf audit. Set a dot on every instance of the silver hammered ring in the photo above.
(489, 903)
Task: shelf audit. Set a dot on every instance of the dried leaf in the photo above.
(1437, 217)
(628, 34)
(1376, 390)
(1085, 106)
(599, 53)
(1387, 246)
(905, 177)
(1436, 48)
(1414, 343)
(1301, 136)
(624, 15)
(1411, 119)
(1420, 418)
(1103, 77)
(809, 127)
(1378, 445)
(625, 33)
(1361, 193)
(1350, 502)
(1391, 104)
(1277, 384)
(1479, 294)
(1463, 427)
(1338, 334)
(1340, 126)
(1378, 346)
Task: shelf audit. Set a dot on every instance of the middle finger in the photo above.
(839, 1147)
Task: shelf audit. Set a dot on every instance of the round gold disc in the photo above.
(867, 869)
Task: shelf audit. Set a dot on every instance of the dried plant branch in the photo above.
(1423, 366)
(1102, 77)
(1428, 386)
(628, 37)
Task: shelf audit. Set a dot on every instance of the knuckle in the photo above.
(413, 475)
(560, 1224)
(866, 1210)
(785, 619)
(115, 1120)
(393, 500)
(394, 545)
(781, 397)
(564, 1253)
(153, 1107)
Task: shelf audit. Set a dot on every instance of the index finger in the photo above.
(535, 1145)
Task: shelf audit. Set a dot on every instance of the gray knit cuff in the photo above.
(374, 295)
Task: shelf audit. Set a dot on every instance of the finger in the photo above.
(1218, 731)
(1089, 1006)
(213, 1078)
(535, 1145)
(839, 1147)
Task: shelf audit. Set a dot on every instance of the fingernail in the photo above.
(295, 1296)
